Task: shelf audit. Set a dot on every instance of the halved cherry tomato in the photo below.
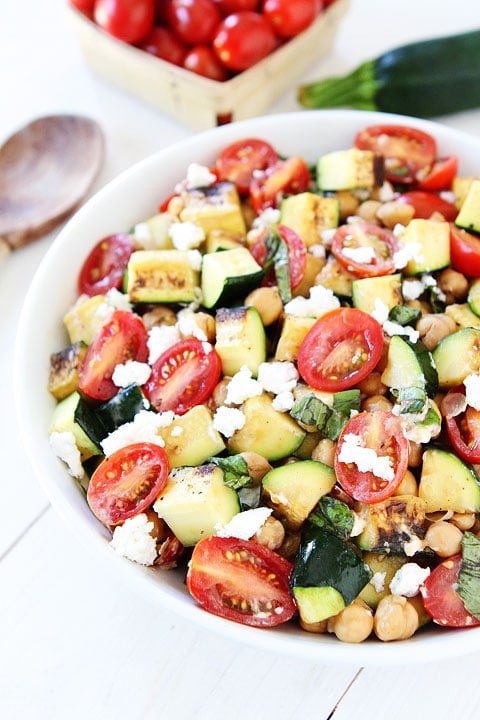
(183, 376)
(239, 160)
(285, 177)
(464, 251)
(341, 349)
(440, 175)
(440, 599)
(463, 428)
(382, 433)
(241, 580)
(297, 255)
(379, 242)
(124, 337)
(127, 482)
(406, 150)
(426, 203)
(104, 267)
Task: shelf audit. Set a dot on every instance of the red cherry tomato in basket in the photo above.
(127, 482)
(193, 21)
(379, 243)
(285, 177)
(464, 251)
(104, 267)
(241, 580)
(406, 150)
(243, 39)
(126, 20)
(340, 350)
(238, 161)
(163, 43)
(440, 599)
(123, 337)
(201, 60)
(183, 376)
(85, 6)
(227, 7)
(381, 432)
(290, 17)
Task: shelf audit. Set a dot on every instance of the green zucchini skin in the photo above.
(424, 79)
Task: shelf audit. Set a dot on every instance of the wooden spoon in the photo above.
(46, 170)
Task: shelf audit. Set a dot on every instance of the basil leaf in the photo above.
(235, 471)
(334, 515)
(468, 583)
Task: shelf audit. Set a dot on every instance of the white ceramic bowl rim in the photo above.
(128, 199)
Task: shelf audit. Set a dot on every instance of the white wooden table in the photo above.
(74, 644)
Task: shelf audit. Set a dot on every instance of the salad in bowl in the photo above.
(258, 385)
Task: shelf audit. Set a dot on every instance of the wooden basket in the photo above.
(196, 101)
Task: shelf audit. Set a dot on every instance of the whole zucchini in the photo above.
(424, 79)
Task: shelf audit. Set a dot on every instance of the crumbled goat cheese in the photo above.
(195, 259)
(64, 446)
(472, 390)
(408, 579)
(412, 546)
(362, 254)
(242, 386)
(187, 325)
(227, 420)
(160, 338)
(393, 328)
(412, 288)
(130, 372)
(386, 192)
(283, 402)
(327, 236)
(176, 431)
(244, 524)
(199, 176)
(133, 540)
(118, 300)
(321, 300)
(378, 581)
(406, 252)
(267, 218)
(277, 376)
(186, 235)
(365, 458)
(317, 251)
(380, 311)
(143, 428)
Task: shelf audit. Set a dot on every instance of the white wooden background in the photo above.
(74, 644)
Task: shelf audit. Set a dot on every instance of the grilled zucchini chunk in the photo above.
(395, 525)
(64, 367)
(214, 207)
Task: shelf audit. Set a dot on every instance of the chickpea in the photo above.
(368, 211)
(392, 213)
(372, 384)
(444, 538)
(421, 305)
(415, 454)
(290, 545)
(175, 205)
(376, 402)
(160, 315)
(271, 534)
(463, 521)
(395, 618)
(268, 302)
(453, 284)
(257, 465)
(408, 486)
(219, 394)
(434, 327)
(353, 624)
(324, 451)
(348, 203)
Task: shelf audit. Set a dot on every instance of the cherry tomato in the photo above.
(406, 150)
(227, 7)
(464, 251)
(203, 61)
(238, 161)
(463, 428)
(243, 39)
(163, 43)
(127, 482)
(183, 376)
(440, 599)
(194, 22)
(285, 177)
(125, 20)
(123, 337)
(241, 580)
(85, 6)
(381, 432)
(104, 267)
(440, 175)
(378, 242)
(297, 255)
(427, 203)
(290, 17)
(340, 350)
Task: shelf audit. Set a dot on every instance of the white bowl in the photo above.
(128, 199)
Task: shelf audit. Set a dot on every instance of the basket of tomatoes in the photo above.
(205, 62)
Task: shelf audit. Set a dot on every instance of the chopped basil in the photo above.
(410, 399)
(235, 471)
(329, 421)
(404, 314)
(277, 257)
(468, 583)
(334, 515)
